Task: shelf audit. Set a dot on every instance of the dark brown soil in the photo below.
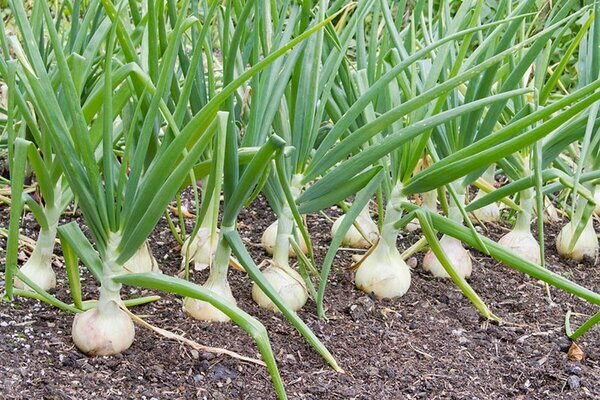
(429, 344)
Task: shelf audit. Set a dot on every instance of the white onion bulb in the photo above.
(204, 311)
(39, 269)
(383, 272)
(287, 283)
(586, 246)
(142, 261)
(523, 244)
(103, 332)
(456, 253)
(269, 238)
(550, 213)
(200, 252)
(489, 213)
(353, 238)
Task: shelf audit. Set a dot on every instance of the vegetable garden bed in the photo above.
(431, 343)
(299, 199)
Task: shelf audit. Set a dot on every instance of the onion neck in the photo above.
(393, 212)
(524, 218)
(285, 228)
(364, 213)
(220, 265)
(110, 291)
(490, 174)
(44, 247)
(580, 208)
(209, 218)
(430, 200)
(454, 212)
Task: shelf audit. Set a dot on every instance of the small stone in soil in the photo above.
(203, 365)
(221, 372)
(362, 308)
(412, 262)
(574, 382)
(563, 344)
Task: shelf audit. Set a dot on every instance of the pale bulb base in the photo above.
(107, 333)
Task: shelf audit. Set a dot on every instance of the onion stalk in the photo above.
(201, 249)
(597, 198)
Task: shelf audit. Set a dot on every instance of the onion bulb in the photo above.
(142, 261)
(103, 331)
(39, 266)
(585, 247)
(550, 213)
(204, 311)
(597, 198)
(489, 213)
(383, 272)
(353, 237)
(200, 251)
(456, 253)
(522, 243)
(269, 238)
(287, 283)
(39, 269)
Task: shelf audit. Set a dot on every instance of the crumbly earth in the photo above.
(429, 344)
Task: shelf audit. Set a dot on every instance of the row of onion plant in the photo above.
(120, 110)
